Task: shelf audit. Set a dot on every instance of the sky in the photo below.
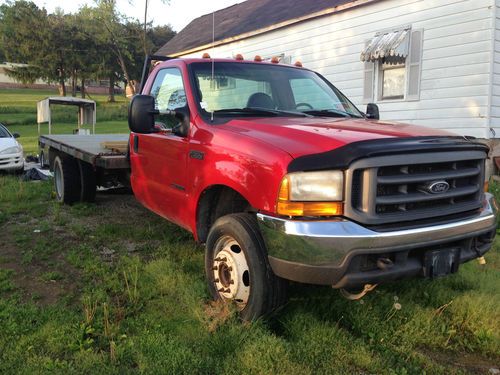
(177, 13)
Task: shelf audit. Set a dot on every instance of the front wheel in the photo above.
(237, 268)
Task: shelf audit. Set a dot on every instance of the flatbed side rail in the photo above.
(103, 160)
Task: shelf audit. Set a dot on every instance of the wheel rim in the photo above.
(230, 271)
(58, 180)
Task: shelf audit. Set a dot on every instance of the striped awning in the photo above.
(391, 45)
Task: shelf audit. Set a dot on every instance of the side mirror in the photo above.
(372, 111)
(16, 135)
(142, 111)
(141, 114)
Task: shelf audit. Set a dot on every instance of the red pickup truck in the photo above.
(283, 178)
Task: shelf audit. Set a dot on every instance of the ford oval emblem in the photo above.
(437, 187)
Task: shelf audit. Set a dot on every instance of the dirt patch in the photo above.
(30, 279)
(44, 275)
(472, 363)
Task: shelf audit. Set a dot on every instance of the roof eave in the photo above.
(324, 12)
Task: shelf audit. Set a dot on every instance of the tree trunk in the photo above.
(73, 84)
(111, 89)
(82, 89)
(62, 88)
(121, 62)
(62, 83)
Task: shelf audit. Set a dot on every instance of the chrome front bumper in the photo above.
(329, 245)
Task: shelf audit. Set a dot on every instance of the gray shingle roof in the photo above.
(242, 18)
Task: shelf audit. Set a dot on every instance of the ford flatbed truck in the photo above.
(283, 178)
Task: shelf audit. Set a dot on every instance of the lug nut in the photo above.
(221, 290)
(215, 268)
(216, 280)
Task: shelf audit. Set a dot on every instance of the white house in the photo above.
(429, 62)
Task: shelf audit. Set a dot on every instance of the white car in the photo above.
(11, 152)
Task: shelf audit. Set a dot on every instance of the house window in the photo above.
(392, 81)
(392, 65)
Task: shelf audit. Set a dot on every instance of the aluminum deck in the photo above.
(88, 148)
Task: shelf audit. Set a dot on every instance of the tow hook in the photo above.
(355, 296)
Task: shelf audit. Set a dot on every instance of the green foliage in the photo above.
(95, 43)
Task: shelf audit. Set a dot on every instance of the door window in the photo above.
(168, 89)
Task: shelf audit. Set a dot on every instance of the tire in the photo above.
(87, 182)
(237, 268)
(41, 159)
(67, 183)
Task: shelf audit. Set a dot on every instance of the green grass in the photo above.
(18, 112)
(111, 288)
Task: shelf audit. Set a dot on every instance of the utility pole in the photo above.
(145, 26)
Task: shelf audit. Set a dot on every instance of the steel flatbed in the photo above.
(88, 148)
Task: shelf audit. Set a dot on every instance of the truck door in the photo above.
(162, 156)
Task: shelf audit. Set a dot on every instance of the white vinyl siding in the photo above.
(455, 65)
(495, 90)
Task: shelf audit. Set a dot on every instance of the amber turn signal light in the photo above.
(286, 207)
(310, 208)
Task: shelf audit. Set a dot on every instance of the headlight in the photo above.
(11, 150)
(311, 194)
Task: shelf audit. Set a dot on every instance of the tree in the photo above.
(30, 36)
(23, 31)
(158, 36)
(115, 36)
(145, 26)
(97, 42)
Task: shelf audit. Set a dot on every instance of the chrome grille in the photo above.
(392, 189)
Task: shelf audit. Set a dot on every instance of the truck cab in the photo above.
(283, 178)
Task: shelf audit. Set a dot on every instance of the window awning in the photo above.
(391, 45)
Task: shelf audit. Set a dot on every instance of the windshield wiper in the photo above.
(258, 111)
(330, 112)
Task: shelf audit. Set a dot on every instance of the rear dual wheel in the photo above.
(237, 268)
(74, 180)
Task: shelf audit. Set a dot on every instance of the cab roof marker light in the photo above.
(206, 55)
(257, 58)
(238, 57)
(275, 60)
(298, 64)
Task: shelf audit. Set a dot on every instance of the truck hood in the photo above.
(304, 136)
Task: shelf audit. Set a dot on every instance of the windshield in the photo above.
(4, 133)
(237, 87)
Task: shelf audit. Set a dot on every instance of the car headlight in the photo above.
(11, 150)
(311, 194)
